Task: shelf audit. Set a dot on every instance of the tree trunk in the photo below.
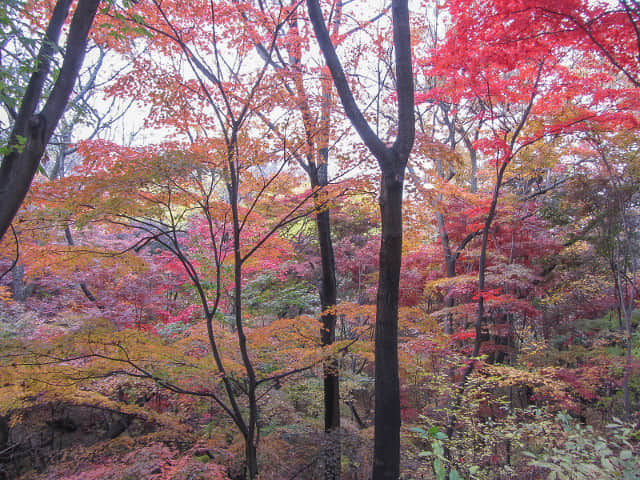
(328, 293)
(31, 132)
(387, 392)
(627, 309)
(328, 299)
(83, 286)
(17, 283)
(450, 268)
(252, 384)
(393, 162)
(251, 452)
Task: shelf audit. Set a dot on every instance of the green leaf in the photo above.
(420, 431)
(438, 449)
(454, 475)
(438, 469)
(606, 463)
(626, 454)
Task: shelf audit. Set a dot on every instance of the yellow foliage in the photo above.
(5, 294)
(542, 380)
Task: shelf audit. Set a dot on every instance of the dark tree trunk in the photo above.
(393, 162)
(450, 268)
(31, 132)
(316, 165)
(328, 299)
(250, 434)
(387, 392)
(251, 452)
(328, 293)
(83, 286)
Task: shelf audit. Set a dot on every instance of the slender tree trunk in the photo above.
(316, 165)
(450, 269)
(252, 384)
(83, 286)
(614, 270)
(483, 259)
(627, 309)
(480, 309)
(328, 299)
(328, 290)
(627, 369)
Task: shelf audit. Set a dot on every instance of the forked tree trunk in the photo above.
(392, 161)
(31, 132)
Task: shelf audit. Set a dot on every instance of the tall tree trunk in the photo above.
(316, 166)
(625, 304)
(627, 368)
(387, 392)
(392, 161)
(251, 432)
(479, 323)
(252, 423)
(328, 299)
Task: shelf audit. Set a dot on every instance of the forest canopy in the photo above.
(319, 240)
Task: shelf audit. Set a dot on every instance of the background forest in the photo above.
(265, 239)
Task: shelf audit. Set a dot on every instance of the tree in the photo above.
(313, 157)
(511, 91)
(603, 211)
(32, 130)
(392, 162)
(202, 251)
(239, 169)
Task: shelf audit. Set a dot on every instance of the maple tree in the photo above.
(313, 156)
(232, 113)
(484, 108)
(499, 103)
(247, 309)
